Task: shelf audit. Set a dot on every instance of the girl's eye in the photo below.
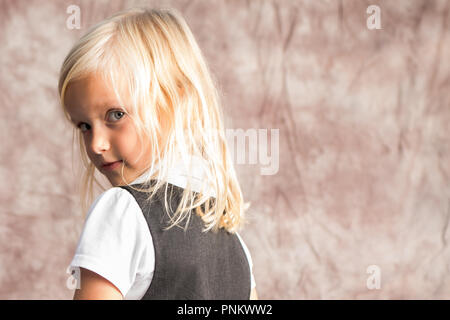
(115, 115)
(84, 127)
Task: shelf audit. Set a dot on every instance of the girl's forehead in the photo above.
(91, 95)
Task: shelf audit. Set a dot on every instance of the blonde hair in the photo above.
(154, 53)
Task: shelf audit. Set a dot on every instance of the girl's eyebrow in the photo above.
(106, 107)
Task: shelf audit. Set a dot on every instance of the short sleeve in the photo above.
(249, 258)
(110, 243)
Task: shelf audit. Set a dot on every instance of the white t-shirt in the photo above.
(116, 242)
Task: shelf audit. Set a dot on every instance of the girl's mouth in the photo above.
(112, 165)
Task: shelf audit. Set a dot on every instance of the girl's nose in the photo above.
(99, 141)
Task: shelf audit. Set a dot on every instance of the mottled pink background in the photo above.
(364, 120)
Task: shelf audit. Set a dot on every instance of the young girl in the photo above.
(138, 90)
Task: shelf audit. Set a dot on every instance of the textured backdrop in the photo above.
(364, 157)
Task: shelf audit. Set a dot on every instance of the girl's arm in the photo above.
(95, 287)
(253, 295)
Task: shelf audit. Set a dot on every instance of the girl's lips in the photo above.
(112, 166)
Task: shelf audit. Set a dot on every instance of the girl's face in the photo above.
(109, 134)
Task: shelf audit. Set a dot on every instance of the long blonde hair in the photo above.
(154, 53)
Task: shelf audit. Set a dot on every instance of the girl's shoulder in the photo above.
(114, 239)
(113, 200)
(114, 193)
